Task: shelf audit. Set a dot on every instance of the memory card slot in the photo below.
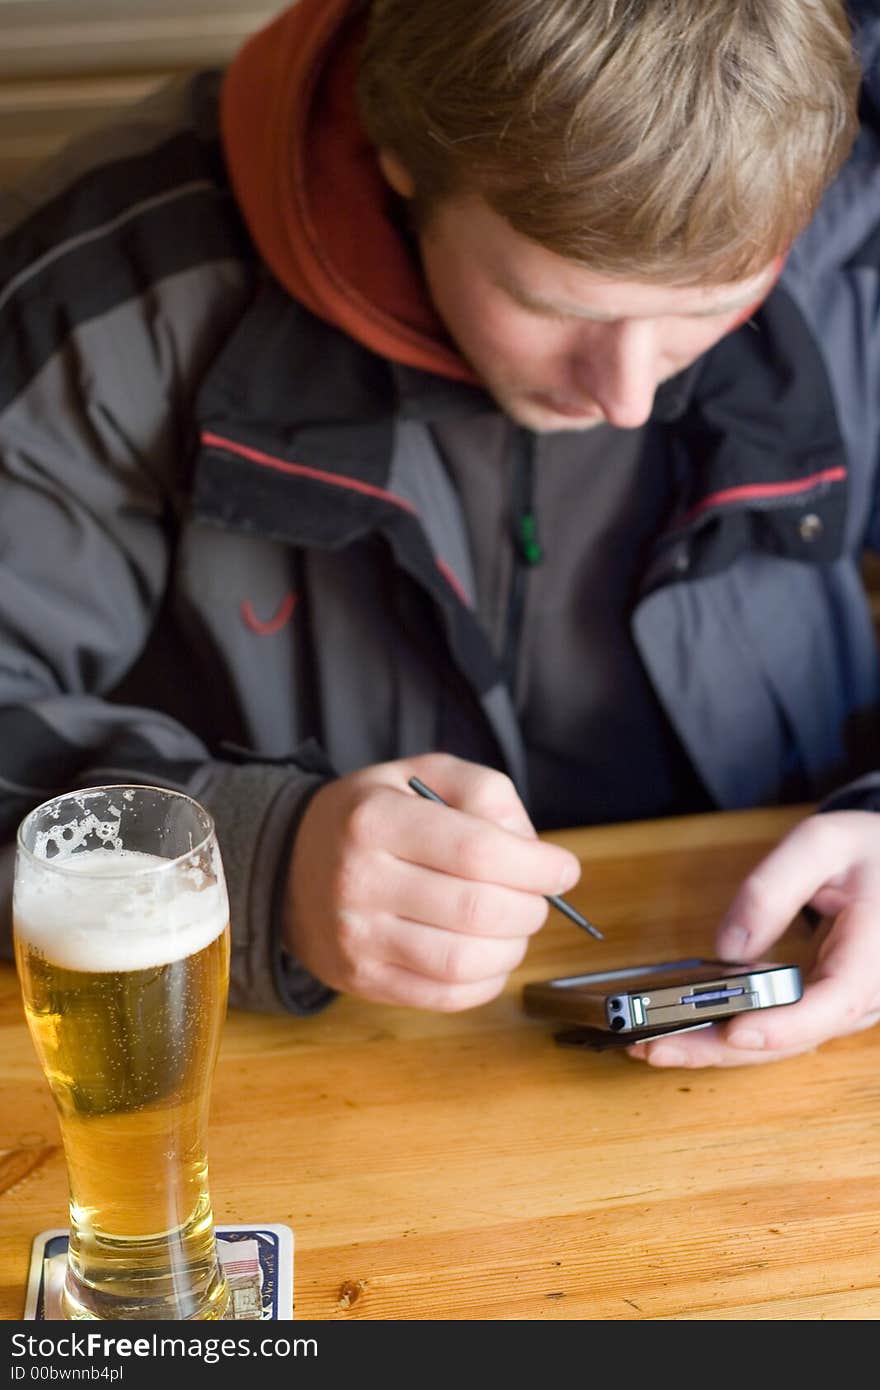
(701, 999)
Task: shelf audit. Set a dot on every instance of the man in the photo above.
(494, 401)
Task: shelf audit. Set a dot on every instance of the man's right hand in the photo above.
(403, 901)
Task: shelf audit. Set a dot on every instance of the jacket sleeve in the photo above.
(93, 421)
(861, 795)
(81, 572)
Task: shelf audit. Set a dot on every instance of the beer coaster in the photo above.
(257, 1260)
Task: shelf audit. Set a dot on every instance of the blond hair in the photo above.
(675, 140)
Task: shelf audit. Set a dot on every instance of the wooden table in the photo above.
(466, 1166)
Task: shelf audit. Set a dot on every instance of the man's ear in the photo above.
(396, 174)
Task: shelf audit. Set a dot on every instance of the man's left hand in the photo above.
(831, 863)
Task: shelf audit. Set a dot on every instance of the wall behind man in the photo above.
(66, 65)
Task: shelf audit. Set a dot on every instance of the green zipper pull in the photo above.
(529, 545)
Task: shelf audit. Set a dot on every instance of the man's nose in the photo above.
(617, 364)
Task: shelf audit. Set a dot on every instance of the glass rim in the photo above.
(152, 870)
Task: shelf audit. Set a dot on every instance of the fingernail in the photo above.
(746, 1038)
(667, 1056)
(732, 940)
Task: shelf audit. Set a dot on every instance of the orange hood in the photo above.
(310, 189)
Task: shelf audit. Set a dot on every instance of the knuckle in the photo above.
(454, 963)
(438, 764)
(472, 858)
(360, 976)
(349, 881)
(495, 783)
(359, 827)
(350, 934)
(816, 834)
(493, 793)
(473, 911)
(364, 817)
(473, 963)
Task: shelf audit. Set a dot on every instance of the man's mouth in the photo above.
(569, 410)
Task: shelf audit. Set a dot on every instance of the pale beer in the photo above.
(124, 964)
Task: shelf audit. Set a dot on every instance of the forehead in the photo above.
(530, 274)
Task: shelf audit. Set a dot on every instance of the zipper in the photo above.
(525, 546)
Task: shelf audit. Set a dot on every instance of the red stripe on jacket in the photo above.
(302, 470)
(754, 490)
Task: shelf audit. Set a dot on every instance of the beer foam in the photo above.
(105, 910)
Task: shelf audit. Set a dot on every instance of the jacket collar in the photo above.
(757, 457)
(293, 407)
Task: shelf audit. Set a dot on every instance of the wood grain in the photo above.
(465, 1166)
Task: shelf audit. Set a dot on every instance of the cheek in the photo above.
(491, 332)
(496, 335)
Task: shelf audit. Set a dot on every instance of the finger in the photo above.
(393, 984)
(460, 904)
(457, 843)
(788, 878)
(841, 997)
(843, 989)
(481, 791)
(713, 1048)
(446, 956)
(704, 1048)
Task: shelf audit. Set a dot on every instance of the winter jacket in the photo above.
(232, 560)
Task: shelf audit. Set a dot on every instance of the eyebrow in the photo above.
(577, 311)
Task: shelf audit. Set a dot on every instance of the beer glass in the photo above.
(121, 926)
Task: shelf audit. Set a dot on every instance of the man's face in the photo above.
(561, 348)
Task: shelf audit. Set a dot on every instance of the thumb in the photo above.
(774, 893)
